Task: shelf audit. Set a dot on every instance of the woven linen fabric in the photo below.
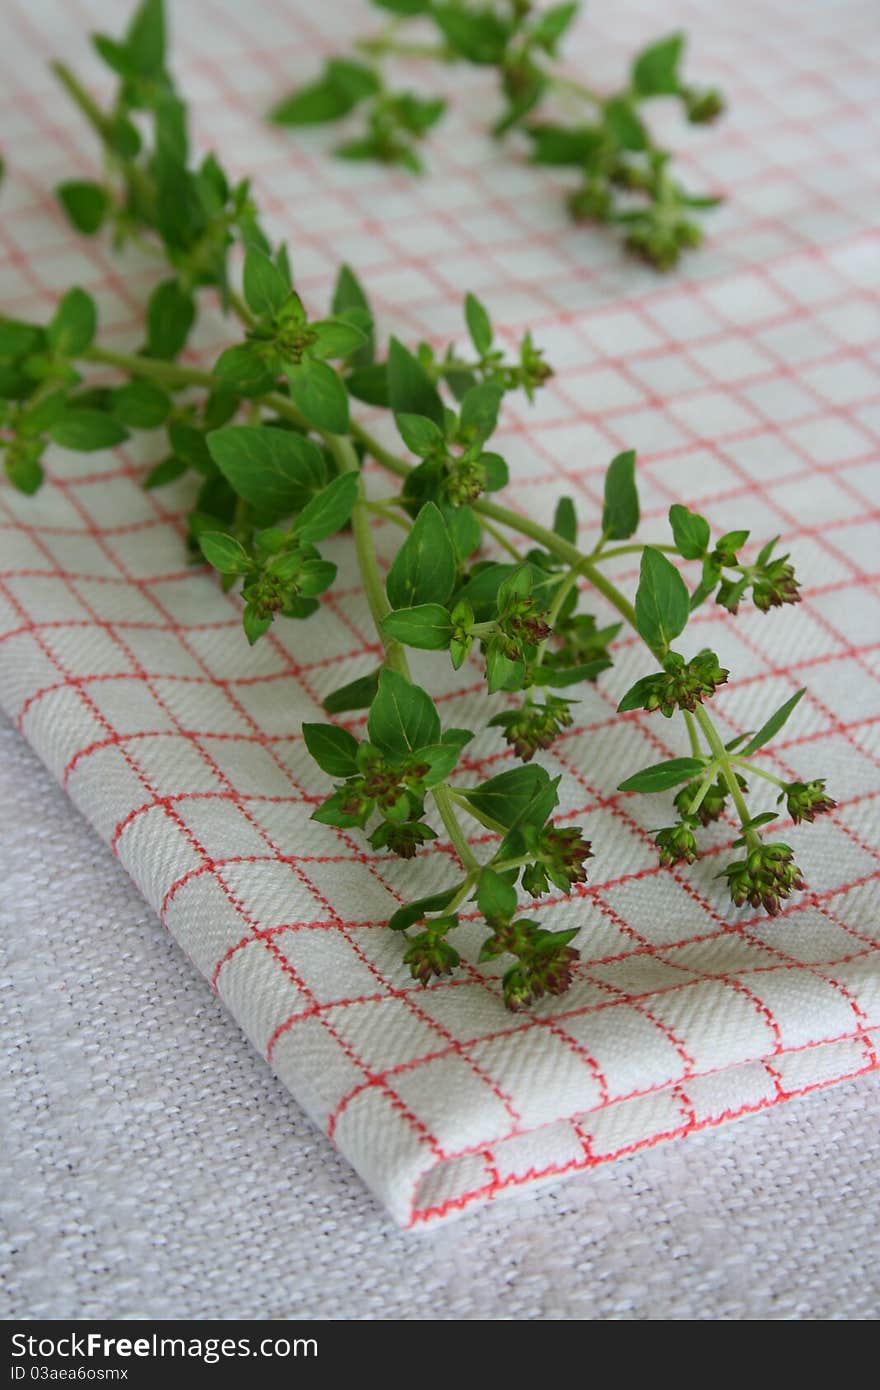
(155, 1168)
(749, 383)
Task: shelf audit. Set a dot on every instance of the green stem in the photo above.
(443, 802)
(381, 47)
(151, 367)
(722, 758)
(395, 656)
(601, 557)
(703, 789)
(692, 733)
(97, 119)
(760, 772)
(371, 576)
(562, 83)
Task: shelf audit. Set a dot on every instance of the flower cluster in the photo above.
(767, 875)
(533, 726)
(681, 685)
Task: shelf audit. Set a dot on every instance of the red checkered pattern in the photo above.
(750, 383)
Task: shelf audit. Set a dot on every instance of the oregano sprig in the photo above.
(270, 435)
(625, 178)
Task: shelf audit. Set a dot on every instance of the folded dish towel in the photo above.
(750, 384)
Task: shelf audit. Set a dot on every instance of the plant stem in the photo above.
(371, 577)
(599, 557)
(380, 47)
(723, 760)
(759, 772)
(692, 733)
(443, 802)
(562, 83)
(395, 656)
(97, 119)
(152, 367)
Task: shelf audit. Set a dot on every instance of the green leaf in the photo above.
(564, 145)
(114, 54)
(265, 287)
(502, 673)
(340, 88)
(336, 338)
(171, 313)
(141, 404)
(552, 24)
(85, 203)
(413, 912)
(565, 520)
(369, 384)
(420, 435)
(357, 694)
(333, 749)
(167, 471)
(425, 567)
(225, 553)
(191, 445)
(479, 411)
(620, 516)
(441, 759)
(623, 124)
(276, 471)
(242, 369)
(320, 394)
(558, 677)
(73, 324)
(662, 601)
(690, 531)
(464, 530)
(457, 736)
(504, 798)
(426, 626)
(18, 339)
(25, 474)
(495, 896)
(732, 540)
(662, 776)
(254, 624)
(145, 40)
(410, 389)
(772, 727)
(350, 294)
(655, 70)
(87, 431)
(479, 324)
(402, 716)
(329, 511)
(478, 35)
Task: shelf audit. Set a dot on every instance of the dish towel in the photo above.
(749, 381)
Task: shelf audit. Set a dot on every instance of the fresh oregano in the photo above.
(624, 177)
(275, 485)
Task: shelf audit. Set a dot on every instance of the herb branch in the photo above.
(624, 177)
(272, 490)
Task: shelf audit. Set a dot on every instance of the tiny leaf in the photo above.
(329, 511)
(425, 567)
(410, 389)
(402, 716)
(773, 725)
(662, 600)
(690, 531)
(620, 516)
(333, 749)
(661, 776)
